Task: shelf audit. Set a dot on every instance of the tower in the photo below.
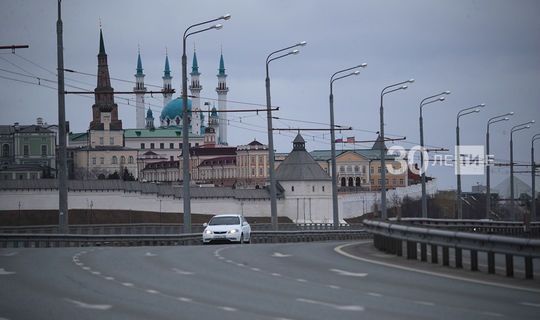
(149, 120)
(222, 90)
(104, 106)
(195, 88)
(167, 87)
(213, 120)
(139, 90)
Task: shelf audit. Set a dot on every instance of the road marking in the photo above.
(491, 314)
(96, 272)
(185, 299)
(348, 273)
(424, 303)
(240, 265)
(3, 272)
(256, 269)
(152, 291)
(109, 278)
(276, 274)
(530, 304)
(301, 280)
(332, 286)
(127, 284)
(9, 254)
(228, 309)
(88, 305)
(150, 254)
(86, 268)
(281, 255)
(3, 318)
(182, 272)
(229, 261)
(339, 250)
(374, 294)
(331, 305)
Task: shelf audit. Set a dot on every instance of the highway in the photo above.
(251, 281)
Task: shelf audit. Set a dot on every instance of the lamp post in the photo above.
(335, 208)
(502, 117)
(386, 90)
(533, 177)
(185, 121)
(461, 113)
(273, 201)
(516, 128)
(426, 101)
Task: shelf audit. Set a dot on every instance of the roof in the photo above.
(219, 161)
(139, 65)
(195, 65)
(163, 165)
(300, 165)
(101, 44)
(167, 71)
(6, 129)
(218, 151)
(255, 143)
(33, 129)
(370, 154)
(153, 133)
(379, 144)
(79, 136)
(221, 66)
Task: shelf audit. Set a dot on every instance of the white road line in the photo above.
(9, 254)
(183, 299)
(229, 261)
(301, 280)
(152, 291)
(424, 303)
(86, 268)
(339, 250)
(332, 286)
(3, 272)
(88, 305)
(150, 254)
(127, 284)
(3, 318)
(491, 314)
(96, 272)
(230, 309)
(530, 304)
(256, 269)
(348, 273)
(374, 294)
(331, 305)
(276, 274)
(109, 278)
(240, 265)
(280, 255)
(182, 272)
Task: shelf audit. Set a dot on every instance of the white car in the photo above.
(227, 227)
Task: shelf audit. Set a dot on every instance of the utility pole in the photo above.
(62, 154)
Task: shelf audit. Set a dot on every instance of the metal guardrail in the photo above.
(161, 228)
(389, 237)
(512, 228)
(8, 240)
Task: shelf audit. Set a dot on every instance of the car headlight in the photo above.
(208, 231)
(233, 231)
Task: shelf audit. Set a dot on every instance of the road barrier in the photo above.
(389, 237)
(11, 240)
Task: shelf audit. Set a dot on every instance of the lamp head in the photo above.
(532, 121)
(218, 26)
(295, 51)
(302, 43)
(410, 81)
(476, 110)
(356, 72)
(481, 105)
(506, 119)
(447, 92)
(442, 99)
(404, 87)
(363, 65)
(226, 16)
(510, 113)
(527, 126)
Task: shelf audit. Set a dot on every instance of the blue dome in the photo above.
(174, 109)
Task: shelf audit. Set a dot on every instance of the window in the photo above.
(252, 171)
(401, 181)
(171, 145)
(292, 188)
(5, 150)
(341, 169)
(101, 160)
(356, 169)
(130, 160)
(380, 181)
(122, 160)
(43, 150)
(142, 146)
(114, 160)
(111, 140)
(162, 145)
(152, 145)
(313, 189)
(343, 182)
(322, 188)
(94, 160)
(260, 171)
(180, 145)
(357, 181)
(363, 169)
(379, 169)
(351, 182)
(349, 169)
(26, 150)
(196, 144)
(101, 140)
(371, 170)
(394, 181)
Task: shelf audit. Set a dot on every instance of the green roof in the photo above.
(79, 136)
(370, 154)
(153, 133)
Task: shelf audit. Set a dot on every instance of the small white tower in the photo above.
(139, 90)
(150, 120)
(167, 87)
(222, 90)
(195, 88)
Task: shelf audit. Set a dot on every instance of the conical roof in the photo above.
(300, 166)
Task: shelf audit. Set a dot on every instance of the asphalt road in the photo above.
(258, 281)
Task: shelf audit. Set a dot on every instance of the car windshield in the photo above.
(216, 221)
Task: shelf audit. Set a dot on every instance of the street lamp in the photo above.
(273, 202)
(533, 176)
(516, 128)
(461, 113)
(185, 121)
(502, 117)
(333, 138)
(426, 101)
(386, 90)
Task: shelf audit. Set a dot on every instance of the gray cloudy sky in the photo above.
(485, 51)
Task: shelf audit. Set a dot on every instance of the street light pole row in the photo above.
(519, 127)
(533, 177)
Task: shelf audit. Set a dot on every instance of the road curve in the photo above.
(259, 281)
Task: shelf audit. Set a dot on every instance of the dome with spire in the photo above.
(173, 111)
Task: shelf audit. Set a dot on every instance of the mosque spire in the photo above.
(195, 65)
(139, 63)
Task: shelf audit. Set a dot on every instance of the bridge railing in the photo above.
(161, 228)
(390, 237)
(28, 240)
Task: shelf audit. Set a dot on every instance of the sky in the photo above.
(484, 51)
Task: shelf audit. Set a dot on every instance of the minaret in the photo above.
(139, 90)
(195, 88)
(149, 120)
(167, 87)
(104, 97)
(222, 90)
(213, 120)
